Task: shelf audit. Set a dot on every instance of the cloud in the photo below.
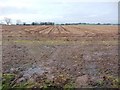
(33, 17)
(60, 10)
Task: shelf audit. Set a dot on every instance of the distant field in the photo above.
(60, 31)
(61, 55)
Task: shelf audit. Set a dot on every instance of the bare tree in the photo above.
(18, 22)
(7, 20)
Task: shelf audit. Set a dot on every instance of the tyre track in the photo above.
(57, 27)
(36, 30)
(65, 29)
(44, 29)
(51, 30)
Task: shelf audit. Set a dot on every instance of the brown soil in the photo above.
(70, 50)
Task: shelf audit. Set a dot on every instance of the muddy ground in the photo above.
(65, 56)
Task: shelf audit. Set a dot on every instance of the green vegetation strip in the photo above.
(62, 42)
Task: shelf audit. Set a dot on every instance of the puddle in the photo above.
(33, 70)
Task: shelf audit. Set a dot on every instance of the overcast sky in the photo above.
(60, 11)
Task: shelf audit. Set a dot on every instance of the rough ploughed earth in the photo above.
(61, 56)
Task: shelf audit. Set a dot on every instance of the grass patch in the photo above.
(6, 83)
(69, 86)
(63, 42)
(109, 81)
(45, 84)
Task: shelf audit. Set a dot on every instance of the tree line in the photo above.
(8, 21)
